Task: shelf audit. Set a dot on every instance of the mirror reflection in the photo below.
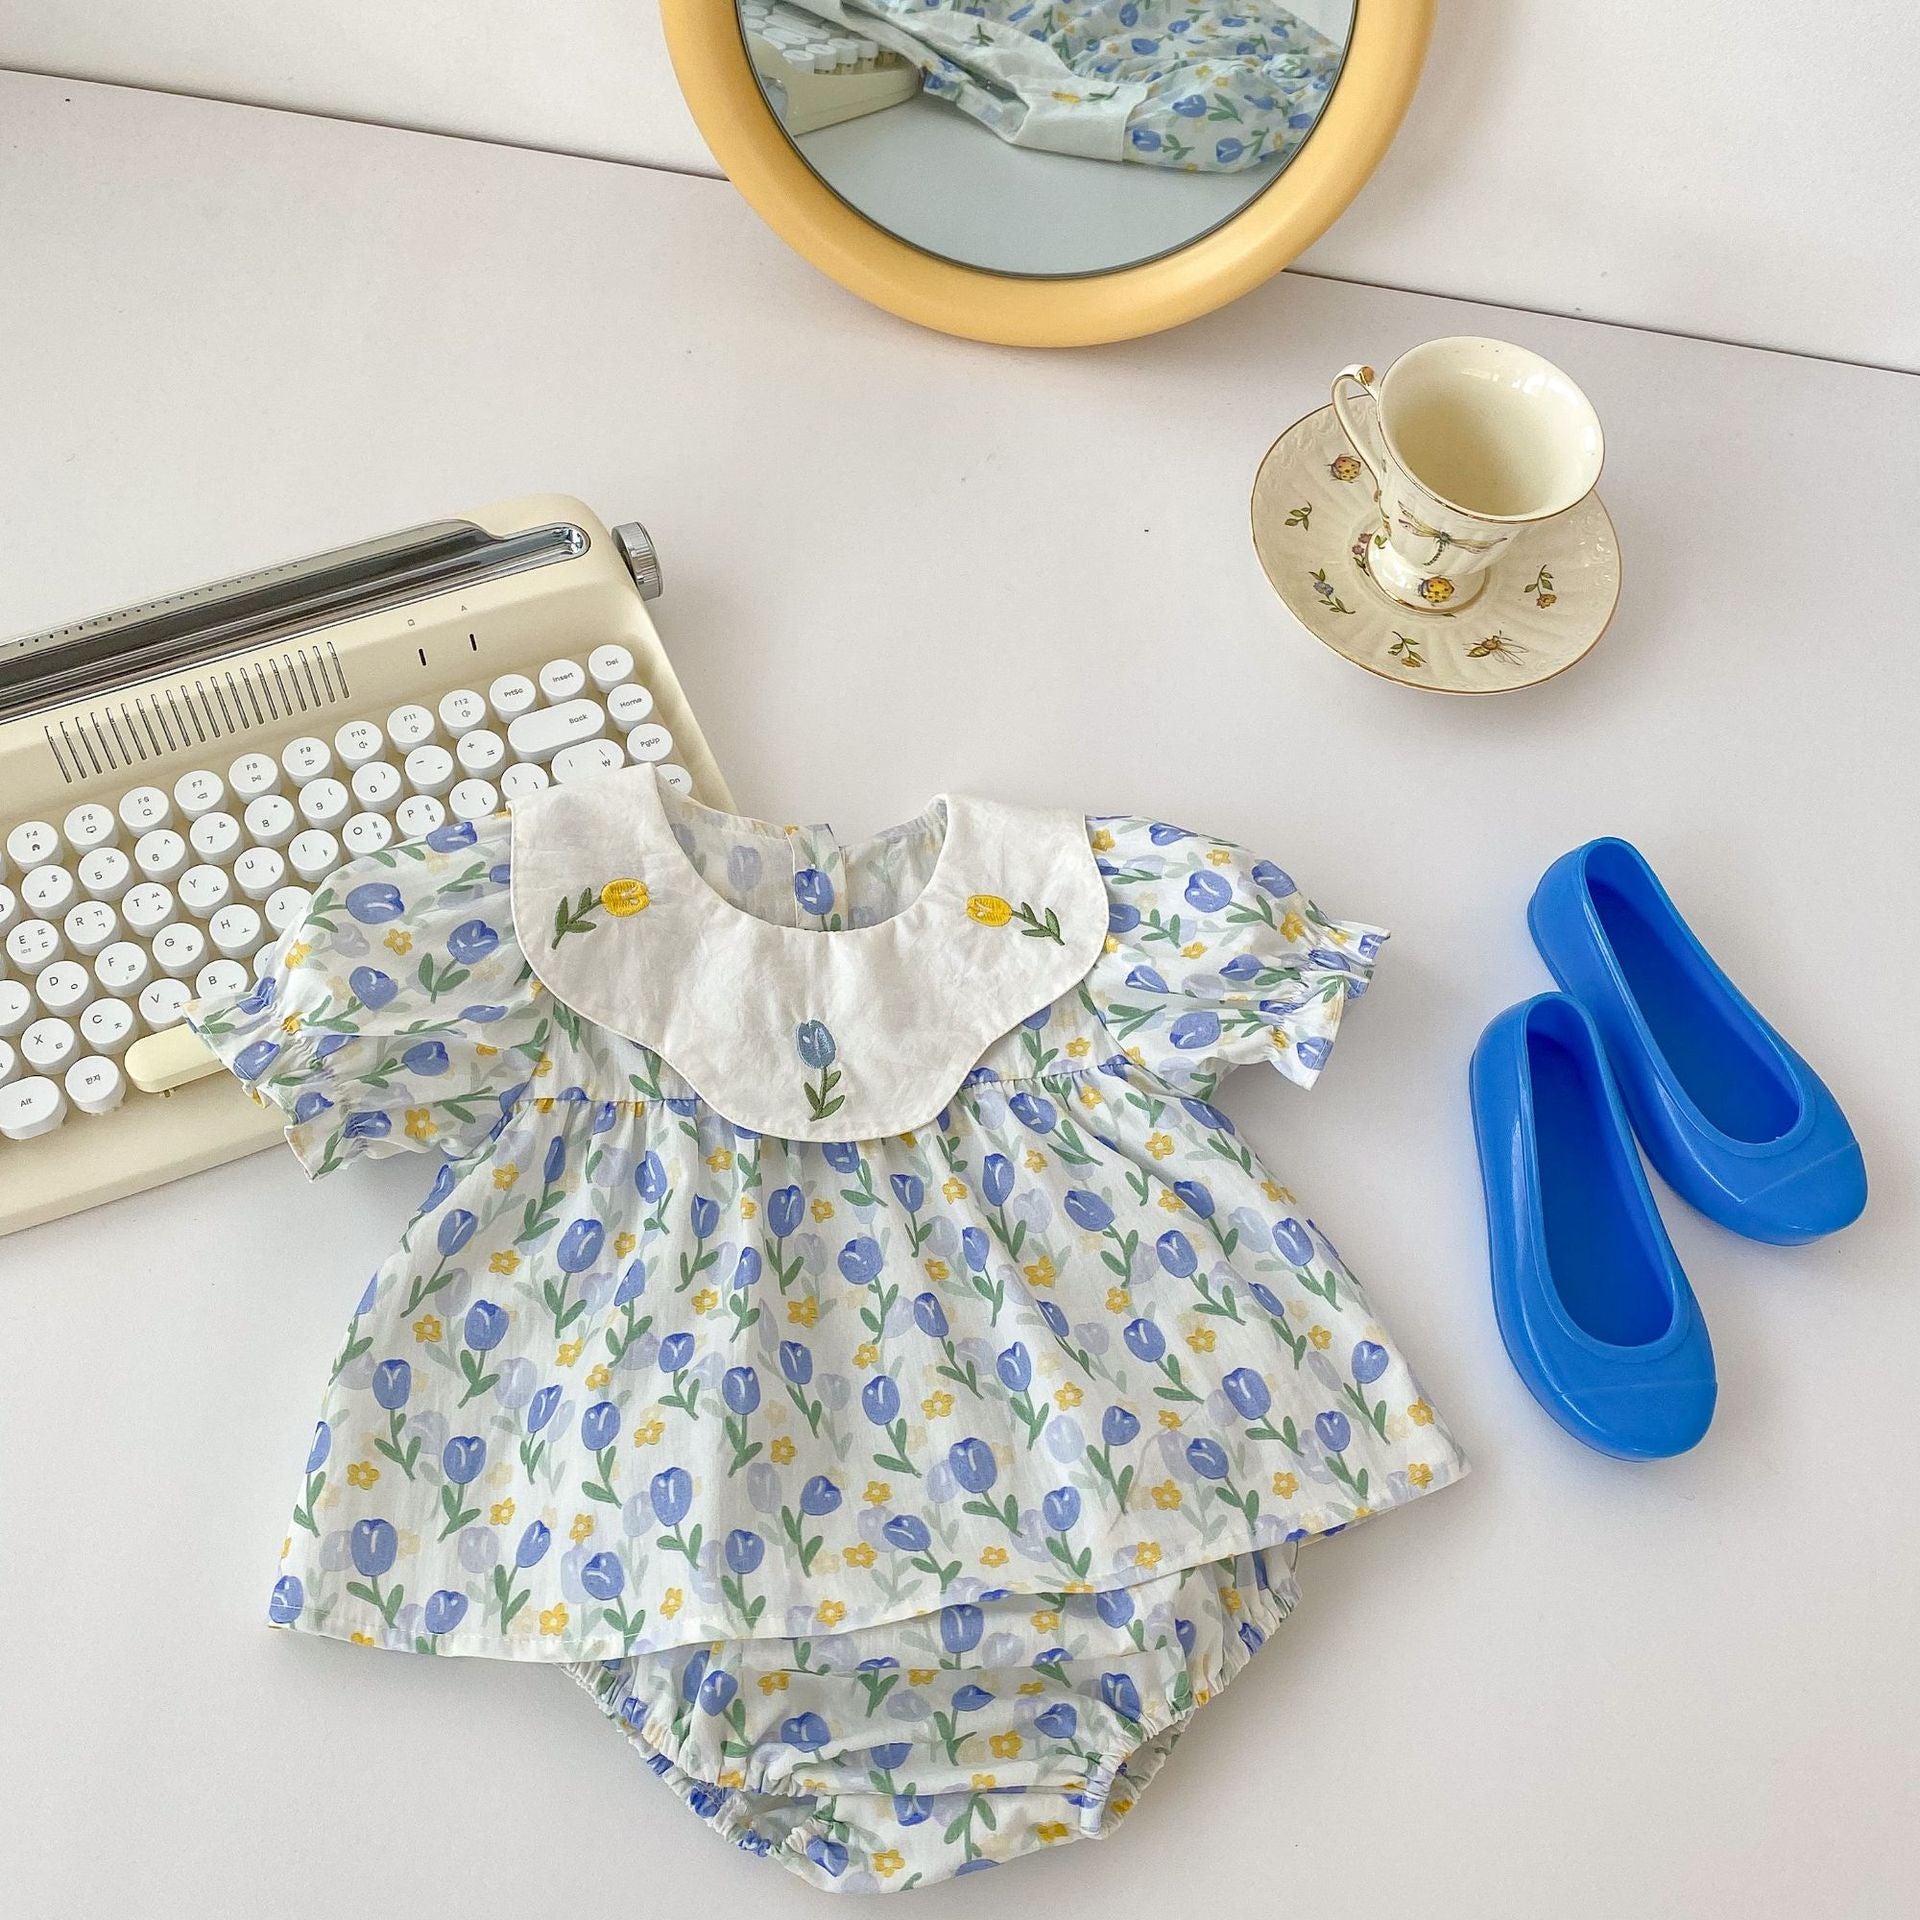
(1047, 136)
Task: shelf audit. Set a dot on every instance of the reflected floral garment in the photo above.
(902, 1498)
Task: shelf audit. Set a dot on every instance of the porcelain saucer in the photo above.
(1542, 606)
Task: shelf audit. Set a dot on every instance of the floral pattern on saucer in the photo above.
(1542, 605)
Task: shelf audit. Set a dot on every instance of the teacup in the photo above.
(1468, 442)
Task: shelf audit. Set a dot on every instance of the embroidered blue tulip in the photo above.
(462, 1458)
(1034, 1112)
(861, 1260)
(996, 1179)
(1194, 1031)
(375, 902)
(373, 1545)
(1057, 1722)
(321, 1447)
(910, 1190)
(1249, 1393)
(251, 1062)
(1061, 1508)
(599, 1426)
(486, 1326)
(671, 1494)
(704, 1215)
(786, 1208)
(740, 1390)
(880, 1399)
(805, 1730)
(1176, 1253)
(1294, 1242)
(444, 1611)
(1088, 1210)
(1119, 1692)
(960, 1628)
(815, 1045)
(745, 1550)
(1114, 1605)
(1207, 1458)
(1312, 1052)
(472, 940)
(533, 1545)
(455, 1230)
(580, 1245)
(814, 891)
(819, 1497)
(1333, 1430)
(1198, 1198)
(1369, 1362)
(717, 1690)
(972, 1464)
(975, 1247)
(372, 988)
(289, 1596)
(908, 1532)
(970, 1699)
(649, 1178)
(1118, 1426)
(675, 1351)
(930, 1316)
(1145, 1341)
(542, 1407)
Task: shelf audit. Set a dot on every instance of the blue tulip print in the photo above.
(1368, 1361)
(1119, 1428)
(374, 1545)
(510, 1593)
(1060, 1514)
(818, 1050)
(289, 1597)
(880, 1402)
(670, 1494)
(740, 1397)
(461, 1460)
(600, 1436)
(444, 1611)
(318, 1452)
(743, 1551)
(975, 1470)
(818, 1498)
(483, 1330)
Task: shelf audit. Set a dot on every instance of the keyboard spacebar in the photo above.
(169, 1059)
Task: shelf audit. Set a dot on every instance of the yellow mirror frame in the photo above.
(1376, 82)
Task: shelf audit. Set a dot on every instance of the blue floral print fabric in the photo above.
(899, 1499)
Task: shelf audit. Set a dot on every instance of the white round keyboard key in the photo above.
(461, 710)
(34, 944)
(263, 959)
(366, 833)
(64, 988)
(205, 890)
(324, 803)
(258, 871)
(147, 908)
(313, 855)
(234, 930)
(95, 1085)
(49, 1044)
(419, 814)
(161, 854)
(609, 666)
(162, 1002)
(252, 775)
(306, 758)
(31, 844)
(31, 1107)
(512, 695)
(215, 838)
(9, 1062)
(287, 907)
(358, 742)
(107, 1025)
(17, 1006)
(480, 753)
(378, 787)
(649, 743)
(9, 907)
(198, 792)
(90, 825)
(591, 760)
(221, 980)
(523, 780)
(271, 820)
(561, 681)
(106, 873)
(474, 800)
(541, 734)
(144, 808)
(49, 891)
(411, 726)
(124, 967)
(181, 949)
(627, 706)
(676, 779)
(430, 770)
(89, 927)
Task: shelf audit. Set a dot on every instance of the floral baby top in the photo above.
(843, 1332)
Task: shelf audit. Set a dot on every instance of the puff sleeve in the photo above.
(1215, 958)
(398, 1013)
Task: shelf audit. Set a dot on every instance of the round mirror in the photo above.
(1048, 171)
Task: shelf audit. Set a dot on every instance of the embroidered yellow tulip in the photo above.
(624, 897)
(989, 909)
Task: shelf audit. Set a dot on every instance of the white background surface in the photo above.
(1743, 169)
(1568, 1687)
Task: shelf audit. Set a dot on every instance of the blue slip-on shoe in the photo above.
(1736, 1122)
(1596, 1314)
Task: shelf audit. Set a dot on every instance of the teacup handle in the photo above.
(1362, 430)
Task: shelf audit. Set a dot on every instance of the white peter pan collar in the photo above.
(794, 1031)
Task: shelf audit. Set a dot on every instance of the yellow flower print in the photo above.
(623, 1244)
(1005, 1745)
(937, 1270)
(504, 1177)
(831, 1613)
(887, 1862)
(568, 1352)
(598, 1375)
(399, 941)
(1065, 98)
(936, 1406)
(1230, 1599)
(1067, 1397)
(427, 1328)
(773, 1682)
(747, 1209)
(1100, 840)
(1201, 1339)
(1036, 1160)
(1090, 1095)
(1420, 1414)
(1419, 1474)
(859, 1555)
(1119, 1300)
(1292, 927)
(505, 1261)
(1050, 1831)
(1045, 1621)
(1285, 1486)
(803, 1311)
(1219, 856)
(953, 1187)
(730, 1777)
(781, 1451)
(1272, 1189)
(720, 1159)
(866, 1354)
(993, 1556)
(1031, 1686)
(582, 1528)
(1040, 1272)
(909, 1138)
(298, 952)
(361, 1639)
(705, 1300)
(1079, 1047)
(878, 1493)
(1169, 1419)
(421, 1124)
(500, 1514)
(553, 1619)
(822, 1209)
(291, 1024)
(650, 1430)
(1172, 1203)
(984, 1782)
(623, 898)
(1146, 1554)
(1166, 1496)
(922, 1676)
(1159, 1145)
(1320, 1337)
(483, 1051)
(362, 1473)
(1193, 950)
(670, 1601)
(989, 909)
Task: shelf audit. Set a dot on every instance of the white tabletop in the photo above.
(896, 562)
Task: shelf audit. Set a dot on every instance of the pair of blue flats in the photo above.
(1595, 1310)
